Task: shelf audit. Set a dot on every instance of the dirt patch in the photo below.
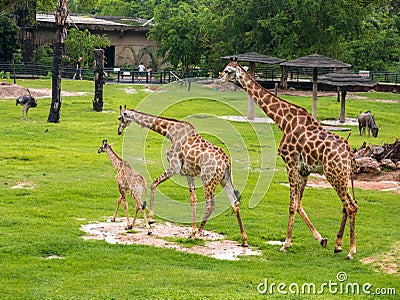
(292, 92)
(388, 181)
(387, 262)
(24, 185)
(215, 246)
(13, 91)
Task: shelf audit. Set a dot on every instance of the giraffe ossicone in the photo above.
(306, 147)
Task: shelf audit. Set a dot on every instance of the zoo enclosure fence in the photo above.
(265, 73)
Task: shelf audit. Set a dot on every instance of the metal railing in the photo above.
(34, 71)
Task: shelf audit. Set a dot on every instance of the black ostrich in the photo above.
(26, 102)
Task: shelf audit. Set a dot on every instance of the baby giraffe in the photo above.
(128, 180)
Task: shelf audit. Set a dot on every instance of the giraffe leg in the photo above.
(164, 176)
(297, 185)
(294, 188)
(210, 206)
(317, 236)
(352, 217)
(125, 203)
(141, 207)
(193, 200)
(209, 189)
(233, 198)
(323, 241)
(138, 206)
(117, 208)
(350, 208)
(339, 235)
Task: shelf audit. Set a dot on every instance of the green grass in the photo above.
(74, 185)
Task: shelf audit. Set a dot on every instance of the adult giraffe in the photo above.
(189, 155)
(306, 147)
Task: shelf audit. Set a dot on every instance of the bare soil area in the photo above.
(13, 91)
(163, 236)
(387, 181)
(387, 262)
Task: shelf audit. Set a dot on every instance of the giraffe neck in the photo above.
(281, 111)
(170, 128)
(115, 160)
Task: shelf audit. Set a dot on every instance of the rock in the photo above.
(387, 163)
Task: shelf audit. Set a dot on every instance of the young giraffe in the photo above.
(306, 147)
(189, 155)
(128, 180)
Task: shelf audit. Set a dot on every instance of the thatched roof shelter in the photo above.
(253, 58)
(315, 61)
(345, 80)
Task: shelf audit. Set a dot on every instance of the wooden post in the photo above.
(250, 105)
(315, 93)
(343, 107)
(99, 79)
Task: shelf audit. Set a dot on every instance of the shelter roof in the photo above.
(344, 78)
(315, 61)
(90, 23)
(255, 57)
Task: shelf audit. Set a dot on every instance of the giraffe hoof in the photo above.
(245, 245)
(337, 250)
(151, 221)
(283, 249)
(324, 242)
(349, 257)
(149, 232)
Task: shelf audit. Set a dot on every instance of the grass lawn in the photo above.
(43, 255)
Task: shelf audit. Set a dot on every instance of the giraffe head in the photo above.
(104, 146)
(123, 119)
(230, 73)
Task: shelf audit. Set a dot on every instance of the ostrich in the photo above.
(26, 102)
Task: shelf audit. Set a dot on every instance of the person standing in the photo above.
(148, 70)
(78, 68)
(141, 68)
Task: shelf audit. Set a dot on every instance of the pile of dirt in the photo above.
(13, 91)
(374, 159)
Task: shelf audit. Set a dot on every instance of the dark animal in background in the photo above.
(367, 120)
(27, 102)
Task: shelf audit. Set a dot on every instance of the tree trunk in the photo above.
(343, 107)
(284, 78)
(60, 21)
(99, 79)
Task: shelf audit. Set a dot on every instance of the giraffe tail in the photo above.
(227, 181)
(352, 176)
(238, 195)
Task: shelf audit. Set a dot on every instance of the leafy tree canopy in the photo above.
(8, 36)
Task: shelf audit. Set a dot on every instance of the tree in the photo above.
(60, 21)
(177, 32)
(82, 43)
(99, 79)
(8, 37)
